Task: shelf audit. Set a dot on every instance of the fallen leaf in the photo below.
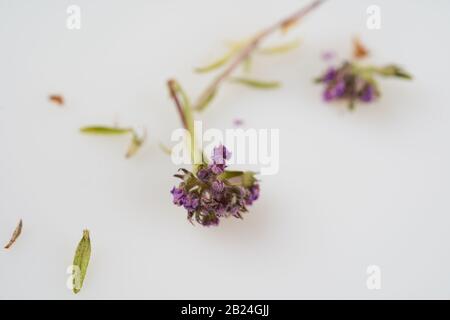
(57, 99)
(81, 261)
(15, 235)
(258, 84)
(105, 130)
(282, 48)
(359, 50)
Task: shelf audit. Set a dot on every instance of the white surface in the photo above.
(354, 189)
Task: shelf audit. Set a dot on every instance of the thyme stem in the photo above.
(248, 49)
(172, 84)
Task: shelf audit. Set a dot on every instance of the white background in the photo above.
(354, 189)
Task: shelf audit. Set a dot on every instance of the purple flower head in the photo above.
(208, 197)
(351, 82)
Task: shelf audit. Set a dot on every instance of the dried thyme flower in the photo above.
(351, 82)
(214, 192)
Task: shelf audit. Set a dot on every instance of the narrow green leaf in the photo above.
(105, 130)
(282, 48)
(258, 84)
(204, 102)
(81, 261)
(165, 149)
(230, 174)
(242, 178)
(218, 63)
(248, 178)
(394, 71)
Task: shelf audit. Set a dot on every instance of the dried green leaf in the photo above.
(394, 71)
(135, 145)
(136, 141)
(230, 174)
(282, 48)
(81, 261)
(258, 84)
(219, 62)
(15, 235)
(242, 178)
(165, 149)
(248, 179)
(105, 130)
(205, 101)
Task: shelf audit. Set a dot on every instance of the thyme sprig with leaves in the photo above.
(241, 54)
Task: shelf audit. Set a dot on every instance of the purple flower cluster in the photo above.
(213, 192)
(347, 83)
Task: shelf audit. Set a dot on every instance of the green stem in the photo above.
(185, 111)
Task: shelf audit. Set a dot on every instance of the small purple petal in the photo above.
(238, 122)
(179, 196)
(330, 75)
(368, 94)
(220, 154)
(203, 174)
(328, 55)
(218, 186)
(217, 168)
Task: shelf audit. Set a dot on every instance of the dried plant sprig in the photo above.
(209, 192)
(136, 140)
(352, 82)
(81, 261)
(15, 235)
(246, 50)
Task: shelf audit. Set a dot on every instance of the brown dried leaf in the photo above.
(57, 99)
(15, 235)
(359, 50)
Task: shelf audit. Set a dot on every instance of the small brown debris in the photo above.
(57, 99)
(359, 50)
